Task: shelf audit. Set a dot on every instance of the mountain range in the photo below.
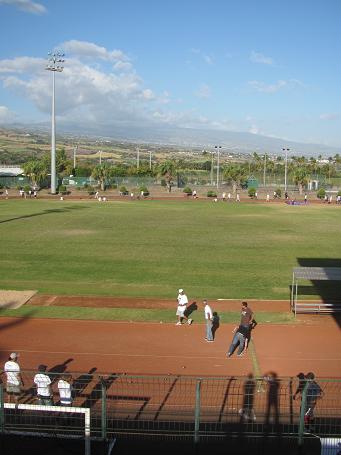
(235, 142)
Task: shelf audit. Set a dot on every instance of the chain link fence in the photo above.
(181, 407)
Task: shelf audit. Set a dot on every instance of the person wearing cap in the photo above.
(14, 380)
(182, 305)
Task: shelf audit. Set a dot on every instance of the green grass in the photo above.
(151, 248)
(136, 315)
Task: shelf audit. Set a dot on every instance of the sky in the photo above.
(268, 67)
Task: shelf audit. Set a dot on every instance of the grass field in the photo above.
(151, 248)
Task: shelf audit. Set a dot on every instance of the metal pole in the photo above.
(197, 411)
(150, 159)
(100, 157)
(264, 170)
(138, 158)
(218, 159)
(302, 412)
(285, 168)
(74, 156)
(2, 412)
(53, 139)
(54, 60)
(104, 409)
(212, 168)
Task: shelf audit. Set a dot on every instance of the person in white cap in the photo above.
(14, 381)
(182, 305)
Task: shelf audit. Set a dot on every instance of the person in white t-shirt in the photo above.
(65, 390)
(43, 383)
(182, 305)
(209, 321)
(14, 381)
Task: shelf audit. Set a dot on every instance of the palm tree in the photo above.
(301, 177)
(36, 171)
(235, 174)
(101, 172)
(167, 170)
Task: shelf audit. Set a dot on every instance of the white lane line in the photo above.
(97, 354)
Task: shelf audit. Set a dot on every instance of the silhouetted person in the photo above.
(272, 398)
(215, 325)
(247, 412)
(300, 386)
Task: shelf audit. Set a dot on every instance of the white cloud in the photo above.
(329, 116)
(97, 85)
(257, 57)
(254, 129)
(207, 58)
(260, 86)
(26, 5)
(267, 88)
(203, 91)
(6, 116)
(86, 49)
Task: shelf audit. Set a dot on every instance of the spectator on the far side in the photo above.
(43, 383)
(65, 390)
(14, 380)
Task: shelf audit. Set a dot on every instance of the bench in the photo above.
(316, 307)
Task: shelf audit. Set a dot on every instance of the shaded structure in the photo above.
(315, 274)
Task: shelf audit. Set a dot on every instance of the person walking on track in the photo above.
(182, 305)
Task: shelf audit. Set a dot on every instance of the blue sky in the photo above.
(266, 67)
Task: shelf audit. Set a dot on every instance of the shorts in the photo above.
(13, 388)
(181, 310)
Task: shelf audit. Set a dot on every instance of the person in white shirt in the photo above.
(43, 383)
(182, 305)
(65, 390)
(209, 321)
(14, 381)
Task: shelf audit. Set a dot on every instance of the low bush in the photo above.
(321, 193)
(63, 190)
(278, 192)
(123, 190)
(251, 192)
(143, 189)
(211, 193)
(187, 190)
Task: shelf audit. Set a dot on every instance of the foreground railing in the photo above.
(181, 407)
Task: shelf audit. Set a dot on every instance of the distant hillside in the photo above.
(236, 142)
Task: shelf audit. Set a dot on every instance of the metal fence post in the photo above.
(104, 409)
(302, 412)
(2, 411)
(197, 411)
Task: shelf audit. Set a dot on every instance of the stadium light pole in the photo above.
(218, 147)
(212, 153)
(74, 155)
(285, 167)
(54, 60)
(150, 160)
(138, 158)
(264, 176)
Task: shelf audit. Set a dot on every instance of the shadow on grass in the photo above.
(44, 212)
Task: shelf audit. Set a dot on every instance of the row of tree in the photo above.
(300, 170)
